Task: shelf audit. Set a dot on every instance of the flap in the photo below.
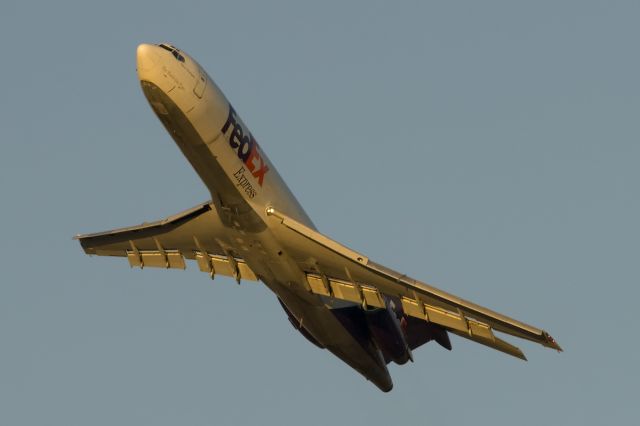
(196, 233)
(340, 272)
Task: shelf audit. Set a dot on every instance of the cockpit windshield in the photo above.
(174, 51)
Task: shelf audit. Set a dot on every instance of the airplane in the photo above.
(254, 229)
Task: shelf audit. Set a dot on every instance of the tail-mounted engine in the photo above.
(388, 328)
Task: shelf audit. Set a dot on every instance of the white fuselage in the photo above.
(208, 110)
(243, 183)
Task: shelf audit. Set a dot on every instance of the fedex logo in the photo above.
(246, 147)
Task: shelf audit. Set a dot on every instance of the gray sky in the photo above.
(488, 148)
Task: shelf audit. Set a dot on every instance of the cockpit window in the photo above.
(178, 56)
(175, 52)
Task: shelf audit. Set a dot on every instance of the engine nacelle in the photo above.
(386, 328)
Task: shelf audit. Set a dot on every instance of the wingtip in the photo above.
(551, 342)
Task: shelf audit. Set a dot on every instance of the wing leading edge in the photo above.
(337, 271)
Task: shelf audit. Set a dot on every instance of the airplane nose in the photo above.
(146, 57)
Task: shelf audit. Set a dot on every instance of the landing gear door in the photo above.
(201, 83)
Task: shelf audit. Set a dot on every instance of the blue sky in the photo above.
(488, 148)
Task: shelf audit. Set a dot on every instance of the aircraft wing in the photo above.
(337, 271)
(196, 234)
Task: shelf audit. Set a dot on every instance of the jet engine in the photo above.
(388, 330)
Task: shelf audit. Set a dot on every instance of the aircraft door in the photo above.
(201, 83)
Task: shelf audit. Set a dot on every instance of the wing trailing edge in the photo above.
(354, 277)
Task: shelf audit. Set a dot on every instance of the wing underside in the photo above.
(337, 271)
(331, 270)
(195, 234)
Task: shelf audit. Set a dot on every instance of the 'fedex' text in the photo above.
(246, 146)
